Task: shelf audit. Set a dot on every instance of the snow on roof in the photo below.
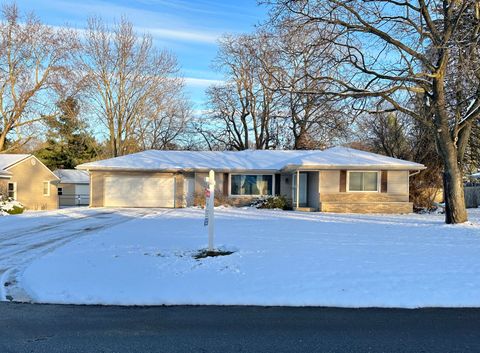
(344, 156)
(7, 160)
(274, 160)
(72, 176)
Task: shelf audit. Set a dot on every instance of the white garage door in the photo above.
(139, 191)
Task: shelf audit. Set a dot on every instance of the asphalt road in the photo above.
(57, 328)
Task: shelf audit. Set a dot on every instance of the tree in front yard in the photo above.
(389, 51)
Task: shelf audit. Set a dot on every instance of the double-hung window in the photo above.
(363, 181)
(12, 190)
(46, 188)
(251, 185)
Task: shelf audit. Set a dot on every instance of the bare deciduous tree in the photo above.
(242, 110)
(35, 60)
(267, 101)
(315, 120)
(128, 83)
(390, 50)
(169, 122)
(472, 154)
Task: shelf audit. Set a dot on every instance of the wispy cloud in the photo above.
(188, 28)
(173, 26)
(215, 7)
(183, 35)
(201, 82)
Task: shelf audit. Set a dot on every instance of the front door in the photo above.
(302, 197)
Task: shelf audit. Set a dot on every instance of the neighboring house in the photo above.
(24, 178)
(73, 188)
(334, 180)
(5, 174)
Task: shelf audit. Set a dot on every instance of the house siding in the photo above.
(3, 185)
(394, 200)
(330, 181)
(324, 191)
(29, 179)
(96, 189)
(179, 194)
(374, 207)
(286, 186)
(397, 182)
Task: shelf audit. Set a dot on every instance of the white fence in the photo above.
(74, 200)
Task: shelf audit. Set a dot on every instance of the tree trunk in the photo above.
(113, 146)
(3, 138)
(455, 211)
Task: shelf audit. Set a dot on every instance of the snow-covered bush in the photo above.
(10, 206)
(272, 202)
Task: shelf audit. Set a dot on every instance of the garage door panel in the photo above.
(139, 191)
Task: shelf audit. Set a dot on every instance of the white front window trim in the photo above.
(230, 194)
(46, 188)
(377, 184)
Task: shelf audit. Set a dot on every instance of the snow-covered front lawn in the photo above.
(280, 258)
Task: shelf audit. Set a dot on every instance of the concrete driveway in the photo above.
(24, 238)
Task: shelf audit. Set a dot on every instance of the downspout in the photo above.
(174, 191)
(90, 188)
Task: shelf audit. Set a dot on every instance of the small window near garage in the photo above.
(60, 191)
(12, 190)
(363, 181)
(46, 188)
(251, 185)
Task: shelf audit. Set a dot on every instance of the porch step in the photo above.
(305, 209)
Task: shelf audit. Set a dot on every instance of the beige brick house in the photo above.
(27, 180)
(338, 179)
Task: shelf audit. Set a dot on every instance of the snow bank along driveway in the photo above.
(281, 258)
(26, 237)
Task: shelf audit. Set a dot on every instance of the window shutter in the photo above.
(278, 180)
(343, 181)
(384, 183)
(225, 184)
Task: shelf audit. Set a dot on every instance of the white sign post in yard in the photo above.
(209, 208)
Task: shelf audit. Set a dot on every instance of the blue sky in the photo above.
(190, 28)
